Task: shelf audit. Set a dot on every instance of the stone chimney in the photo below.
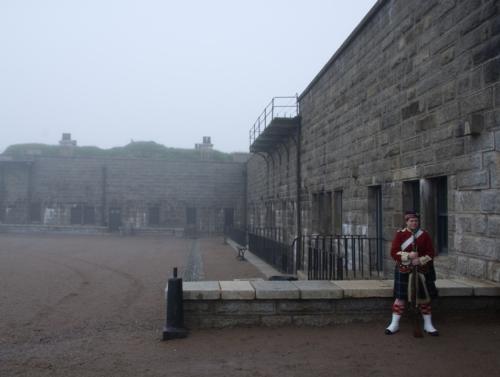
(66, 141)
(206, 145)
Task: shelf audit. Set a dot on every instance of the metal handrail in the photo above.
(279, 107)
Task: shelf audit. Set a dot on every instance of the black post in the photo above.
(174, 327)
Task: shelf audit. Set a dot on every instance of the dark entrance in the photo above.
(190, 230)
(191, 216)
(228, 218)
(76, 214)
(115, 219)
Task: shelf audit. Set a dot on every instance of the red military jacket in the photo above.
(402, 242)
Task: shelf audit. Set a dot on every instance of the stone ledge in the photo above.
(318, 289)
(200, 290)
(275, 290)
(321, 289)
(237, 290)
(365, 288)
(449, 288)
(481, 288)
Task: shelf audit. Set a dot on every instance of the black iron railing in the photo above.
(322, 257)
(340, 257)
(279, 107)
(277, 254)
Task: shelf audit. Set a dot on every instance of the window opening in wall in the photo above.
(315, 213)
(228, 218)
(89, 215)
(154, 215)
(322, 213)
(442, 214)
(115, 218)
(337, 212)
(76, 214)
(411, 196)
(35, 212)
(435, 211)
(376, 227)
(191, 216)
(326, 213)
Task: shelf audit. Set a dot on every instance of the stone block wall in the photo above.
(412, 95)
(272, 190)
(133, 186)
(209, 304)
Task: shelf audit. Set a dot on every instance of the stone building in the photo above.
(405, 115)
(92, 192)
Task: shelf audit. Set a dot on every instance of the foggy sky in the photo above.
(112, 71)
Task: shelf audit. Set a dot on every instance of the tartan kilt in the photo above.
(401, 284)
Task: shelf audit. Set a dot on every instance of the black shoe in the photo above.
(389, 332)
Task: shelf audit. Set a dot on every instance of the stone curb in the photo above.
(321, 289)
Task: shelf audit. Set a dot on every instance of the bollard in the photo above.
(174, 327)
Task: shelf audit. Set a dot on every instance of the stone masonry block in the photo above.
(476, 102)
(318, 289)
(448, 287)
(444, 114)
(367, 305)
(276, 320)
(497, 95)
(494, 272)
(365, 288)
(481, 288)
(462, 265)
(198, 306)
(494, 228)
(321, 306)
(220, 322)
(487, 51)
(463, 224)
(473, 180)
(237, 290)
(239, 307)
(480, 247)
(490, 201)
(275, 290)
(426, 123)
(479, 224)
(491, 71)
(467, 201)
(477, 268)
(316, 320)
(201, 290)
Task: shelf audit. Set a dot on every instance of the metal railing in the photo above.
(340, 257)
(277, 254)
(322, 257)
(279, 107)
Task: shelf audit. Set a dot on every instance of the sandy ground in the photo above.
(93, 306)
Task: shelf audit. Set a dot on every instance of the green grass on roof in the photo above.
(136, 149)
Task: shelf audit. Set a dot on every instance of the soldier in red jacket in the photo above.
(412, 246)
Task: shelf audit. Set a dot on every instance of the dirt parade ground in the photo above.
(94, 306)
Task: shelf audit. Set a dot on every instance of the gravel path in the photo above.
(194, 270)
